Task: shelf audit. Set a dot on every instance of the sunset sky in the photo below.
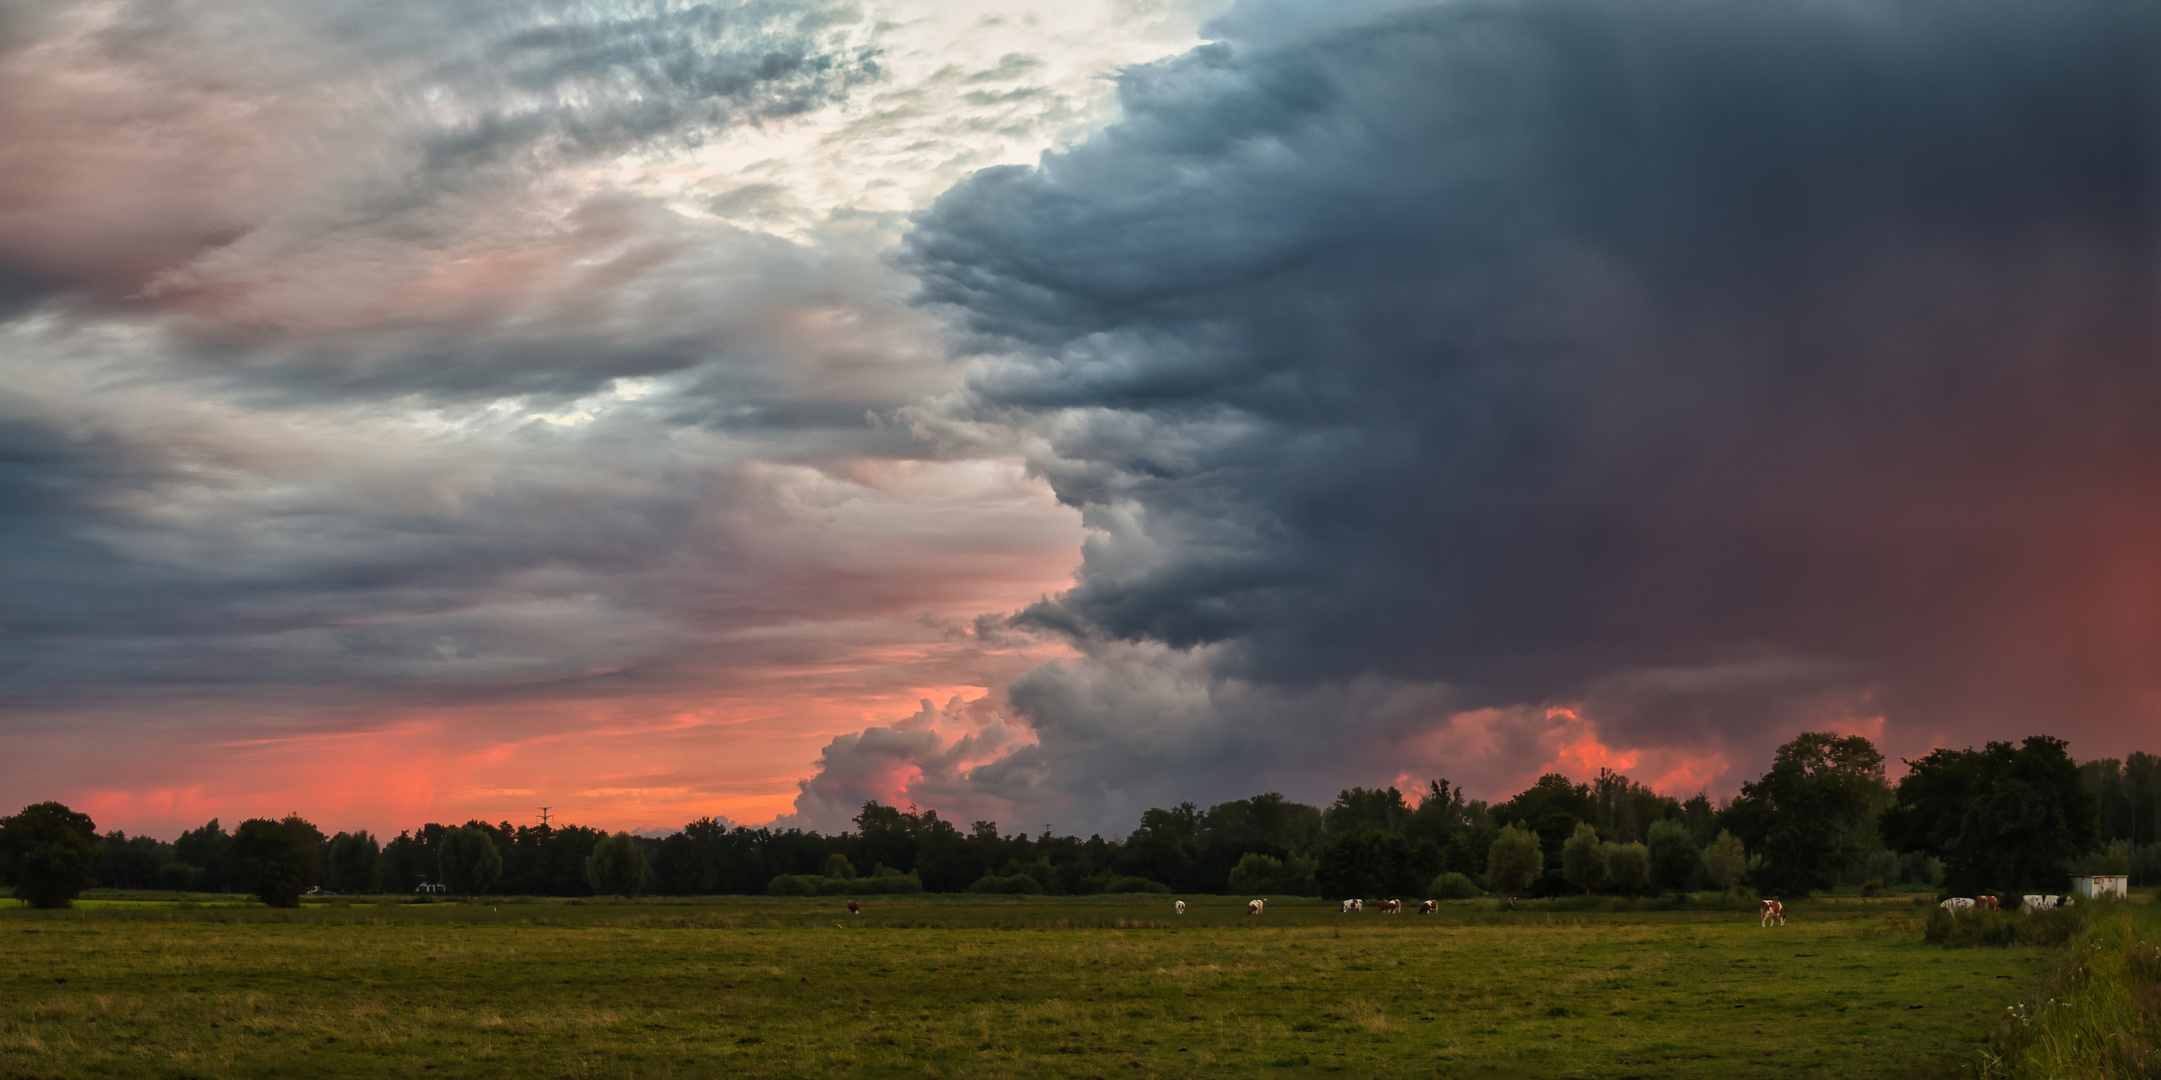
(1039, 410)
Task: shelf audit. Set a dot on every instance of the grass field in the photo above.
(964, 987)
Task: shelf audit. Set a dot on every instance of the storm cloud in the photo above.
(1703, 371)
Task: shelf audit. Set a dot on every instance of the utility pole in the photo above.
(543, 817)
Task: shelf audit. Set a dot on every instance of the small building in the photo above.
(2092, 885)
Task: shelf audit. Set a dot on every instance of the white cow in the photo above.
(1957, 904)
(1353, 905)
(2037, 902)
(1253, 907)
(1178, 906)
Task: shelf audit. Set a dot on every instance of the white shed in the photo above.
(2101, 885)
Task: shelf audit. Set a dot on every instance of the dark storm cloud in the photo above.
(1726, 365)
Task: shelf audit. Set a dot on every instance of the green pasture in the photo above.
(970, 987)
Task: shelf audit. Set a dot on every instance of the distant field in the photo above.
(969, 987)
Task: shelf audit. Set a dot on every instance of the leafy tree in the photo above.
(617, 866)
(1628, 866)
(838, 866)
(468, 860)
(278, 860)
(1725, 859)
(210, 850)
(1165, 848)
(1514, 861)
(354, 859)
(1583, 859)
(1356, 809)
(1673, 858)
(1808, 815)
(2002, 817)
(50, 853)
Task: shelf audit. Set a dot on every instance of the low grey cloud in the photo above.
(1710, 369)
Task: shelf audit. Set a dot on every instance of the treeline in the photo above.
(2004, 816)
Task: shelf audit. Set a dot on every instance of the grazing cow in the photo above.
(1985, 903)
(1430, 907)
(1391, 907)
(2044, 903)
(2031, 902)
(1957, 904)
(1771, 909)
(1178, 906)
(1253, 907)
(1352, 905)
(854, 908)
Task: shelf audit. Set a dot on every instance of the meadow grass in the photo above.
(977, 987)
(2098, 1012)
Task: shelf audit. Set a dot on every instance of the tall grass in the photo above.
(2098, 1015)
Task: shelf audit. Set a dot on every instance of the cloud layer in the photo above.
(1706, 370)
(475, 395)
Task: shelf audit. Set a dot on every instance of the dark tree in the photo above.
(469, 861)
(209, 850)
(617, 866)
(278, 860)
(355, 858)
(1808, 815)
(50, 853)
(1674, 856)
(2002, 817)
(1165, 848)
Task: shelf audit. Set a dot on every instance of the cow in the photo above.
(1430, 907)
(1957, 904)
(1253, 907)
(854, 908)
(1353, 905)
(2044, 903)
(1178, 906)
(2031, 902)
(1771, 909)
(1391, 907)
(1985, 903)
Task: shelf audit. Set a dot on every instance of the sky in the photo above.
(1040, 411)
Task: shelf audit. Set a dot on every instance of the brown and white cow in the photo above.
(854, 908)
(1253, 907)
(1391, 907)
(1986, 903)
(1430, 907)
(1771, 909)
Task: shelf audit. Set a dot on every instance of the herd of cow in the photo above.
(2029, 903)
(1769, 909)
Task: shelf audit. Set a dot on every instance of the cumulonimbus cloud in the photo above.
(1716, 368)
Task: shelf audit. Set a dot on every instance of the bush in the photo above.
(1453, 886)
(1019, 884)
(794, 885)
(1725, 859)
(1135, 885)
(887, 882)
(50, 852)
